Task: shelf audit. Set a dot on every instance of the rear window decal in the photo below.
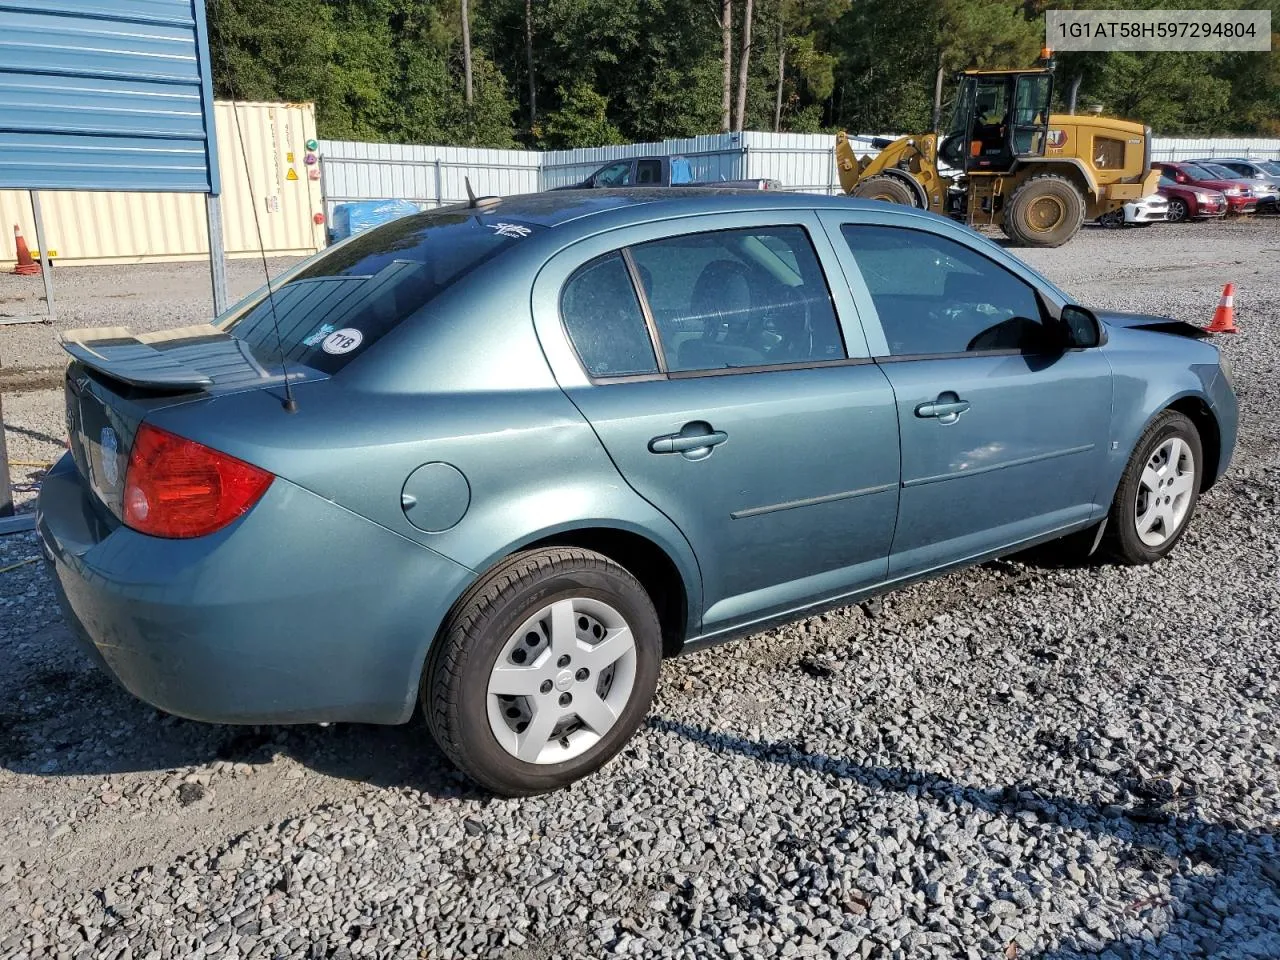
(324, 331)
(342, 341)
(510, 230)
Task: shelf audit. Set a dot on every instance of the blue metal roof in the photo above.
(106, 95)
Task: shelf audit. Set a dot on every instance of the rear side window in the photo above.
(648, 171)
(602, 317)
(739, 298)
(332, 308)
(936, 296)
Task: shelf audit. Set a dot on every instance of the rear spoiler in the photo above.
(188, 358)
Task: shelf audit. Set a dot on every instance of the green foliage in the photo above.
(629, 70)
(580, 121)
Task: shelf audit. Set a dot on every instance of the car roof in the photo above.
(557, 207)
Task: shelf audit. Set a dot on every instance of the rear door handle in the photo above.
(946, 408)
(692, 437)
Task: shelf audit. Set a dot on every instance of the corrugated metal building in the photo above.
(108, 227)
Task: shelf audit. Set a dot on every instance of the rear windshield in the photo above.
(333, 307)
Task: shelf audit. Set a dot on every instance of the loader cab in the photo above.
(999, 117)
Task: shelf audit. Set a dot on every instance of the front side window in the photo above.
(739, 298)
(602, 317)
(936, 296)
(615, 175)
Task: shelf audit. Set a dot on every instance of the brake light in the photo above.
(178, 488)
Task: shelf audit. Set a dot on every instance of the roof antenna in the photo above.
(471, 194)
(290, 405)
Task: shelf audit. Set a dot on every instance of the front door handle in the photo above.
(694, 440)
(947, 408)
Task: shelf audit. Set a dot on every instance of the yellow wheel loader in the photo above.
(1009, 163)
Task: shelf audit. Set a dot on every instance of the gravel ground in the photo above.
(1017, 760)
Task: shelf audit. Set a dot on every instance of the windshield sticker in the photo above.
(324, 331)
(510, 230)
(343, 341)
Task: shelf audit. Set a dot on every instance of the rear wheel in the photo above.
(1157, 495)
(544, 671)
(886, 188)
(1047, 210)
(1177, 210)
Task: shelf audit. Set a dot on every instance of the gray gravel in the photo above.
(1016, 760)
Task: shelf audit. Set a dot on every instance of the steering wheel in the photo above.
(791, 340)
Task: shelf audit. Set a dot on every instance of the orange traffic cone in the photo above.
(26, 266)
(1224, 318)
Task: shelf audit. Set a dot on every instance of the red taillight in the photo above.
(178, 488)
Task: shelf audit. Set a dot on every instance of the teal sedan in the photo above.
(499, 460)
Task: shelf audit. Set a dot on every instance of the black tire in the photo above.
(455, 683)
(1122, 539)
(886, 188)
(1046, 210)
(1112, 221)
(1178, 211)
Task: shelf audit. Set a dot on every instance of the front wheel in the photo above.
(1177, 210)
(1046, 210)
(885, 188)
(543, 671)
(1157, 494)
(1113, 220)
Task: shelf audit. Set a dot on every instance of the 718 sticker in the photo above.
(342, 341)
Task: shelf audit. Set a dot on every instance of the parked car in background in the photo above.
(660, 171)
(1262, 175)
(537, 444)
(1137, 213)
(1239, 194)
(1190, 203)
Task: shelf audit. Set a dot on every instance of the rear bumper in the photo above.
(298, 612)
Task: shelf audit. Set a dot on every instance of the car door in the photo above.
(1004, 433)
(710, 357)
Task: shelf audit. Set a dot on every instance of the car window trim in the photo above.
(646, 310)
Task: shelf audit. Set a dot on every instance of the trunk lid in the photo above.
(116, 379)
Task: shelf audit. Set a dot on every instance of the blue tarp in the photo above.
(349, 218)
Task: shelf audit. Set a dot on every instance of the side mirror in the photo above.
(1180, 177)
(1081, 329)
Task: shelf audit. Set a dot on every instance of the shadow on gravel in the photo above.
(64, 716)
(1168, 844)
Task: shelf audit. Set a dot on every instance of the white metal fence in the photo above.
(430, 176)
